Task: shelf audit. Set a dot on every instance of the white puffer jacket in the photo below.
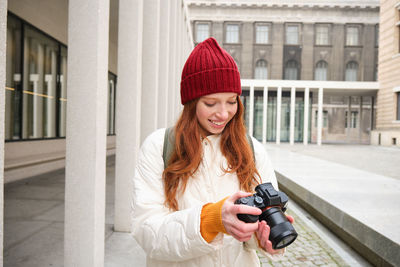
(173, 238)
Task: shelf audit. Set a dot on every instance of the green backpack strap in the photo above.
(251, 145)
(169, 145)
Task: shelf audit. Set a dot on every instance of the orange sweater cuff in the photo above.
(211, 220)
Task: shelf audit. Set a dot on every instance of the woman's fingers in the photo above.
(290, 218)
(238, 229)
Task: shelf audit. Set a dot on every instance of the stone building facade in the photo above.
(302, 40)
(387, 130)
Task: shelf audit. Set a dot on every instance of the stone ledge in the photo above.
(375, 247)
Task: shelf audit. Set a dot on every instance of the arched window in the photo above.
(291, 70)
(261, 71)
(351, 71)
(321, 71)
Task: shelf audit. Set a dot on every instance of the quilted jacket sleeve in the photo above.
(267, 173)
(263, 164)
(163, 234)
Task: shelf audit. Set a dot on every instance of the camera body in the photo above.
(265, 196)
(273, 204)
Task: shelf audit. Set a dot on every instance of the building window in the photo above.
(291, 70)
(232, 33)
(292, 34)
(353, 119)
(376, 35)
(36, 84)
(324, 118)
(262, 34)
(352, 35)
(261, 70)
(398, 26)
(398, 106)
(202, 32)
(322, 35)
(321, 71)
(351, 71)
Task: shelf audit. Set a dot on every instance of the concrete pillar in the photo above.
(128, 110)
(306, 108)
(265, 113)
(150, 63)
(163, 65)
(172, 69)
(86, 133)
(3, 34)
(292, 110)
(278, 115)
(319, 122)
(179, 58)
(251, 111)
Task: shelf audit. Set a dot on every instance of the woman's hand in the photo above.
(238, 229)
(263, 236)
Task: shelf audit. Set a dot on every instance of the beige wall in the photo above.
(389, 76)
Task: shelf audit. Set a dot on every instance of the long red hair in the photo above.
(187, 154)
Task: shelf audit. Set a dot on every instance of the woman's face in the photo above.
(214, 111)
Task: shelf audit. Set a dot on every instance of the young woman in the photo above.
(184, 215)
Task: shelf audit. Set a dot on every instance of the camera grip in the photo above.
(248, 218)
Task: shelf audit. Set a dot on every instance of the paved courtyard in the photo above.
(376, 159)
(34, 225)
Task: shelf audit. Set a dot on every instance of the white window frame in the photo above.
(318, 71)
(317, 36)
(353, 40)
(232, 37)
(261, 70)
(260, 39)
(198, 40)
(348, 75)
(288, 39)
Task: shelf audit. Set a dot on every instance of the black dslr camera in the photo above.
(273, 204)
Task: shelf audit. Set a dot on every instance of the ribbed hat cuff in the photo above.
(210, 82)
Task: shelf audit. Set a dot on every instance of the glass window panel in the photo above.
(291, 70)
(39, 85)
(352, 35)
(232, 33)
(324, 118)
(261, 70)
(322, 35)
(292, 34)
(63, 93)
(262, 32)
(202, 32)
(321, 71)
(351, 71)
(398, 105)
(258, 117)
(353, 122)
(111, 103)
(12, 128)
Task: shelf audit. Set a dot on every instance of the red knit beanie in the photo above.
(208, 70)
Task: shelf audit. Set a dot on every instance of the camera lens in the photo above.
(282, 232)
